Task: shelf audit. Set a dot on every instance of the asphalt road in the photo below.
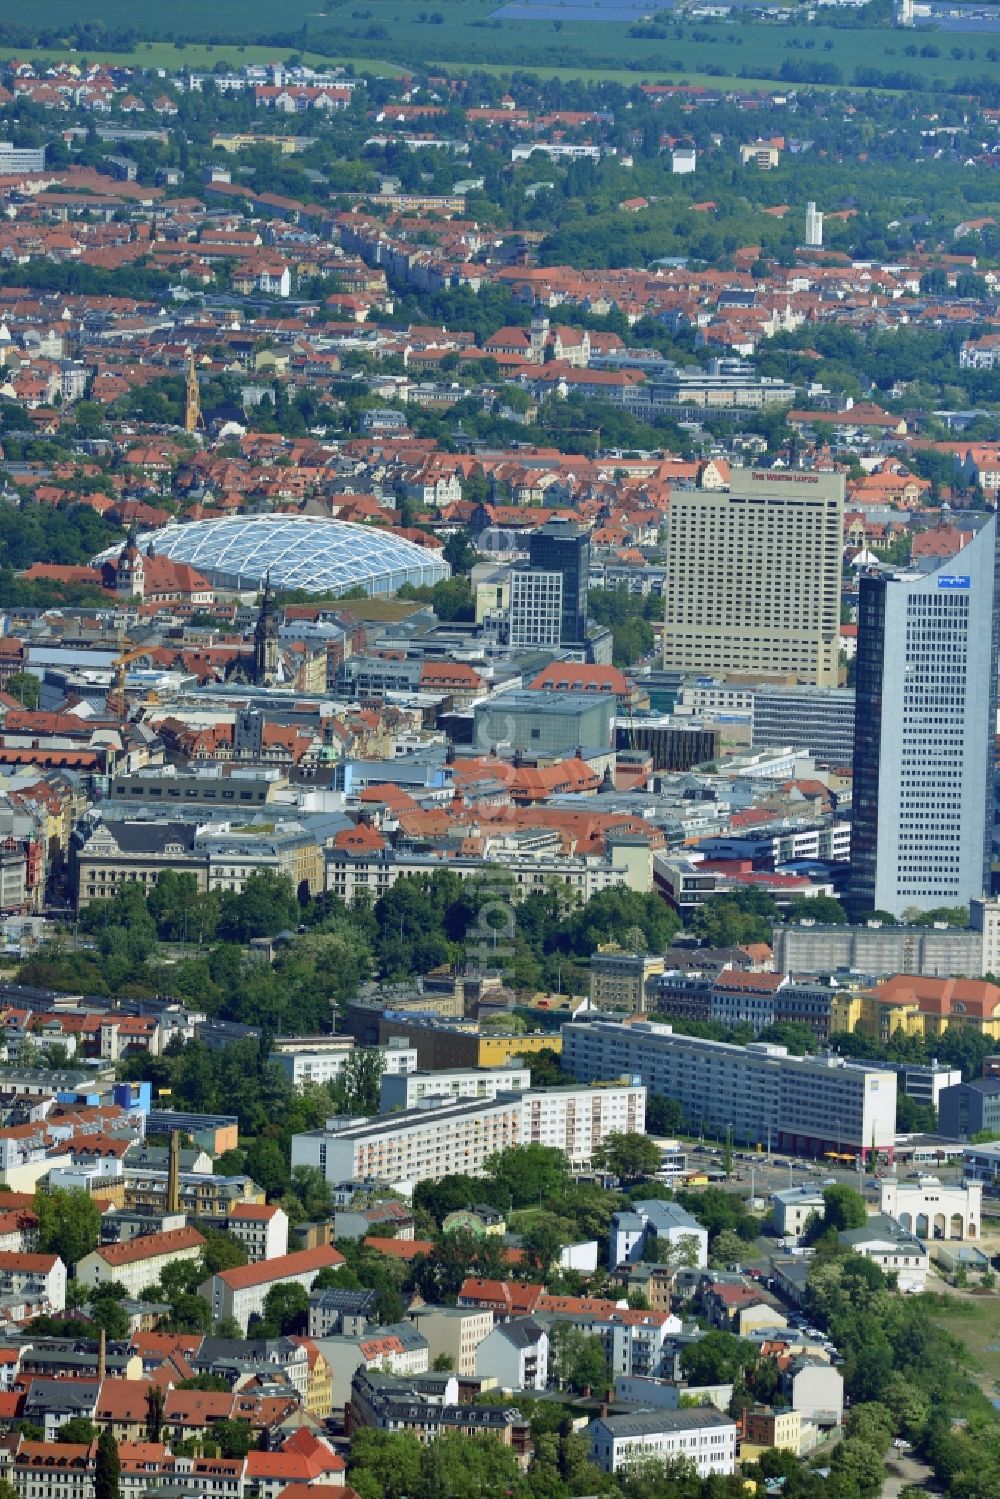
(904, 1470)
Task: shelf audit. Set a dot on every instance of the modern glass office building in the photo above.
(925, 730)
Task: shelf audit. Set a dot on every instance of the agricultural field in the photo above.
(173, 55)
(546, 36)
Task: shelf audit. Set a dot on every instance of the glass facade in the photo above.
(299, 551)
(561, 547)
(923, 795)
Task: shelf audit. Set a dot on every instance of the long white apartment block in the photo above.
(808, 1104)
(424, 1144)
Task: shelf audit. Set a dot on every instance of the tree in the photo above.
(189, 1313)
(443, 1363)
(727, 1249)
(907, 1404)
(820, 908)
(664, 1116)
(578, 1359)
(286, 1308)
(222, 1252)
(546, 1071)
(355, 1089)
(438, 1276)
(265, 1162)
(871, 1422)
(860, 1464)
(627, 1155)
(26, 687)
(717, 1358)
(454, 1192)
(235, 1438)
(795, 1034)
(529, 1174)
(845, 1208)
(452, 1467)
(108, 1313)
(227, 1327)
(680, 1254)
(459, 550)
(545, 1238)
(384, 1465)
(266, 905)
(155, 1400)
(107, 1472)
(69, 1224)
(736, 918)
(77, 1429)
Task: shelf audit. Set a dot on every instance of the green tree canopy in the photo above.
(69, 1224)
(529, 1174)
(628, 1155)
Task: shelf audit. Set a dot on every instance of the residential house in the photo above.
(137, 1263)
(240, 1293)
(705, 1436)
(515, 1353)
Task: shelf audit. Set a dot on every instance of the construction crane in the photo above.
(119, 669)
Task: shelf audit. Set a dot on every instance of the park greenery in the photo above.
(179, 940)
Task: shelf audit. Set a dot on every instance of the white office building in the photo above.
(923, 796)
(809, 1105)
(793, 1207)
(536, 606)
(704, 1436)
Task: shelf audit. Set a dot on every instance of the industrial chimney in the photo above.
(174, 1173)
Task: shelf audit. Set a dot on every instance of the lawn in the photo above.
(975, 1323)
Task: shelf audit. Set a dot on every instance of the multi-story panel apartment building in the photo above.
(877, 949)
(412, 1090)
(760, 1092)
(419, 1145)
(320, 1059)
(424, 1144)
(753, 583)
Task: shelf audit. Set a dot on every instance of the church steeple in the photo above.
(192, 396)
(130, 570)
(265, 639)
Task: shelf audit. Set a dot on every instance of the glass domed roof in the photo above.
(299, 551)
